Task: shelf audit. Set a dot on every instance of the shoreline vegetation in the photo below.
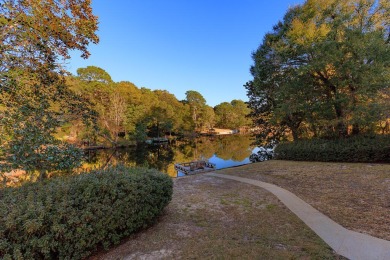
(126, 113)
(166, 138)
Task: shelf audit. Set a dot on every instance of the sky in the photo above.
(181, 45)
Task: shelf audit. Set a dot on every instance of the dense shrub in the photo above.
(356, 149)
(67, 218)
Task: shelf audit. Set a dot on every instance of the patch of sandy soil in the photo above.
(355, 195)
(212, 218)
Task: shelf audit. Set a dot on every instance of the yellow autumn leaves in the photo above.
(318, 18)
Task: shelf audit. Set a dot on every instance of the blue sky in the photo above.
(180, 45)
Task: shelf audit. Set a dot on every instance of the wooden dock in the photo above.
(195, 167)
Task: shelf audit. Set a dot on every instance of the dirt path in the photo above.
(212, 218)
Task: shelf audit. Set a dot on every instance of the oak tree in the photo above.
(35, 37)
(321, 70)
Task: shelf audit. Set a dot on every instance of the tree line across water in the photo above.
(126, 112)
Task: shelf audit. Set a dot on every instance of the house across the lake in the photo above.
(219, 131)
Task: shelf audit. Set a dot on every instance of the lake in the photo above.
(224, 151)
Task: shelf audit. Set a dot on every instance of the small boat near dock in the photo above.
(195, 167)
(157, 140)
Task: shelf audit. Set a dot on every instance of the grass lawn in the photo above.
(355, 195)
(223, 219)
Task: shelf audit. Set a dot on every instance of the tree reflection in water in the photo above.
(222, 150)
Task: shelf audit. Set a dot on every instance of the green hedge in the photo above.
(68, 218)
(354, 149)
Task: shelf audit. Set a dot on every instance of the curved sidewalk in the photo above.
(347, 243)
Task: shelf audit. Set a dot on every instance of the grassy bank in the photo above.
(355, 195)
(216, 218)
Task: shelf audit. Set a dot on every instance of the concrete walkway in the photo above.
(347, 243)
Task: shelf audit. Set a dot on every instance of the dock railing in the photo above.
(189, 167)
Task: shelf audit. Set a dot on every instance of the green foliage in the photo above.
(36, 33)
(208, 117)
(353, 149)
(94, 74)
(197, 104)
(322, 70)
(126, 110)
(233, 114)
(69, 217)
(34, 97)
(195, 99)
(134, 114)
(37, 105)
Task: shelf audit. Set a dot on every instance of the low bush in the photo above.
(354, 149)
(69, 217)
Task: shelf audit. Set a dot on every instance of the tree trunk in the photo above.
(42, 175)
(341, 126)
(355, 129)
(294, 132)
(293, 121)
(4, 182)
(333, 97)
(342, 129)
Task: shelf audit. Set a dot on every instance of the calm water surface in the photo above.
(224, 151)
